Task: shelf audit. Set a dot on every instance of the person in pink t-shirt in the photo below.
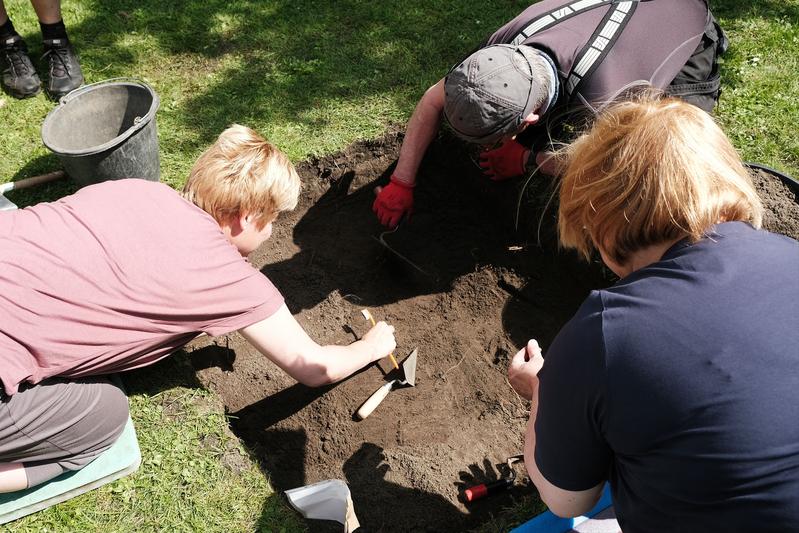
(123, 273)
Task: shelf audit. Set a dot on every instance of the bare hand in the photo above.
(523, 369)
(380, 339)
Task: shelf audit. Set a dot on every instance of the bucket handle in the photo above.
(74, 93)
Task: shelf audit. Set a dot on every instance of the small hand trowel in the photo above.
(8, 205)
(326, 500)
(408, 368)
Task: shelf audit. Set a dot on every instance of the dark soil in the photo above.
(781, 203)
(486, 288)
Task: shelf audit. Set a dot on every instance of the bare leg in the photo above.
(12, 477)
(3, 13)
(48, 11)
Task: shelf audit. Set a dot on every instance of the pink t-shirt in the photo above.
(115, 277)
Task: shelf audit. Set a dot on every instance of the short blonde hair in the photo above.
(243, 174)
(649, 171)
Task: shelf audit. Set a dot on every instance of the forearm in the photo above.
(529, 447)
(420, 132)
(561, 502)
(282, 340)
(337, 362)
(316, 365)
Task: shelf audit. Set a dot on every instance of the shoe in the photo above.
(19, 77)
(64, 72)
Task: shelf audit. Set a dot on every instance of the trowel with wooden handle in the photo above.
(8, 205)
(408, 368)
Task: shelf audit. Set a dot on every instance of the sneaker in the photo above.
(64, 70)
(19, 77)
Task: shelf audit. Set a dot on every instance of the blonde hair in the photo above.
(243, 174)
(650, 171)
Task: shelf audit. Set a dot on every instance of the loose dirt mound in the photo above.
(781, 204)
(478, 290)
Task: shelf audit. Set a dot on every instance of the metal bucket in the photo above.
(106, 131)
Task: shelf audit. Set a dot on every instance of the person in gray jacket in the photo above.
(555, 57)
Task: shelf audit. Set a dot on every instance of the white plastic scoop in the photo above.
(326, 500)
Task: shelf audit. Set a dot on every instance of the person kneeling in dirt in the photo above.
(676, 383)
(547, 64)
(123, 273)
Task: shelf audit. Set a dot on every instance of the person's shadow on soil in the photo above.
(461, 221)
(383, 505)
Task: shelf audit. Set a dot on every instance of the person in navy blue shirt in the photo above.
(679, 384)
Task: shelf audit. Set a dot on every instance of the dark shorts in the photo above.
(60, 425)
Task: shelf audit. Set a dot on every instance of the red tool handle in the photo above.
(482, 490)
(476, 492)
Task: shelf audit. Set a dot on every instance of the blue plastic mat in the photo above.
(118, 461)
(547, 522)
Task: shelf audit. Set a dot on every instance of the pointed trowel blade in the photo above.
(409, 368)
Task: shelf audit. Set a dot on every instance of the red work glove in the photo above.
(395, 200)
(504, 162)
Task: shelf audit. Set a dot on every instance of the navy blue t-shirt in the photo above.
(680, 384)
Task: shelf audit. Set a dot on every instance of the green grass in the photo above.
(309, 76)
(312, 77)
(760, 101)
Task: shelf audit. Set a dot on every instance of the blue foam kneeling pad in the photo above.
(121, 459)
(547, 522)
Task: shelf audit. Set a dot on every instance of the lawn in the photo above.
(312, 77)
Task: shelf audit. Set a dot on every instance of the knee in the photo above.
(103, 417)
(113, 411)
(64, 422)
(101, 424)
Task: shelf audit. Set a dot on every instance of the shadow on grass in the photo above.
(173, 371)
(279, 61)
(285, 59)
(289, 63)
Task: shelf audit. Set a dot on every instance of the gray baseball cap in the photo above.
(488, 96)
